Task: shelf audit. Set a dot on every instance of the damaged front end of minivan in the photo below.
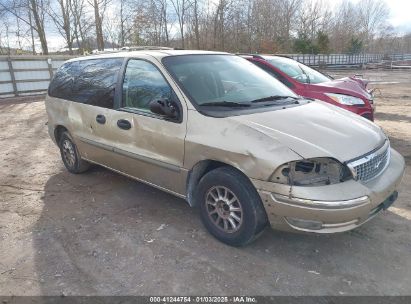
(323, 195)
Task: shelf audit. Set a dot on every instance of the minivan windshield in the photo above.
(226, 81)
(296, 70)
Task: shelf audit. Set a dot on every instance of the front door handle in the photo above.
(123, 124)
(101, 119)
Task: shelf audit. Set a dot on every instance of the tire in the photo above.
(220, 194)
(70, 155)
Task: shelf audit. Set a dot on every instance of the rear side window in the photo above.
(62, 84)
(96, 82)
(87, 81)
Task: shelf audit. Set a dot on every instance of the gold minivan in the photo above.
(227, 137)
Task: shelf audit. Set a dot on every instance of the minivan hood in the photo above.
(318, 129)
(342, 86)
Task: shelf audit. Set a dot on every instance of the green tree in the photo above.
(323, 43)
(304, 45)
(355, 46)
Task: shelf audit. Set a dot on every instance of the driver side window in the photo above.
(142, 84)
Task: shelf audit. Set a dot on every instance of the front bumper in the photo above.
(365, 111)
(333, 208)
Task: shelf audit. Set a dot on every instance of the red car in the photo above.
(349, 93)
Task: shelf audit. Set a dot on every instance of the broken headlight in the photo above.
(312, 172)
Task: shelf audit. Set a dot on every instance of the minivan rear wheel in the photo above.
(70, 155)
(230, 207)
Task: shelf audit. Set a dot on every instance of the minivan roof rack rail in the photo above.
(146, 47)
(261, 56)
(250, 54)
(135, 48)
(282, 55)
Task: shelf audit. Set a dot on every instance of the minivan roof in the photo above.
(155, 53)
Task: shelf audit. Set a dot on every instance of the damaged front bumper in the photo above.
(332, 208)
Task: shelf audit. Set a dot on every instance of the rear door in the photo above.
(113, 126)
(93, 98)
(148, 146)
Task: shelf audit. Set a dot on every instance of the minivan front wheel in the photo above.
(70, 156)
(230, 207)
(224, 209)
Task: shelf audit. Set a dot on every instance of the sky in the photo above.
(400, 17)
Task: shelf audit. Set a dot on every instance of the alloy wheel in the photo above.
(224, 209)
(69, 153)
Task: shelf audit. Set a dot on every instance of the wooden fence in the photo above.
(27, 75)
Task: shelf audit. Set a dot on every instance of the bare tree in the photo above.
(33, 46)
(288, 14)
(180, 8)
(99, 7)
(4, 35)
(38, 9)
(313, 17)
(164, 22)
(342, 31)
(150, 23)
(372, 17)
(35, 11)
(196, 25)
(230, 25)
(123, 20)
(81, 24)
(64, 21)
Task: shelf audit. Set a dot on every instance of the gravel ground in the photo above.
(100, 233)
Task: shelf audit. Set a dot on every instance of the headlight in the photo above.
(312, 172)
(345, 99)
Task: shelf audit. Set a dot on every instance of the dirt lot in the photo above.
(103, 234)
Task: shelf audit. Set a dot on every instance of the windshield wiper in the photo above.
(230, 104)
(306, 75)
(275, 97)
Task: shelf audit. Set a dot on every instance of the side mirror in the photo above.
(165, 107)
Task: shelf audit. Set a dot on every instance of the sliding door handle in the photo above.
(101, 119)
(123, 124)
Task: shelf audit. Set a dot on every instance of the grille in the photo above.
(371, 165)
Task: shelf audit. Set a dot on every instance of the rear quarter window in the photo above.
(61, 86)
(90, 82)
